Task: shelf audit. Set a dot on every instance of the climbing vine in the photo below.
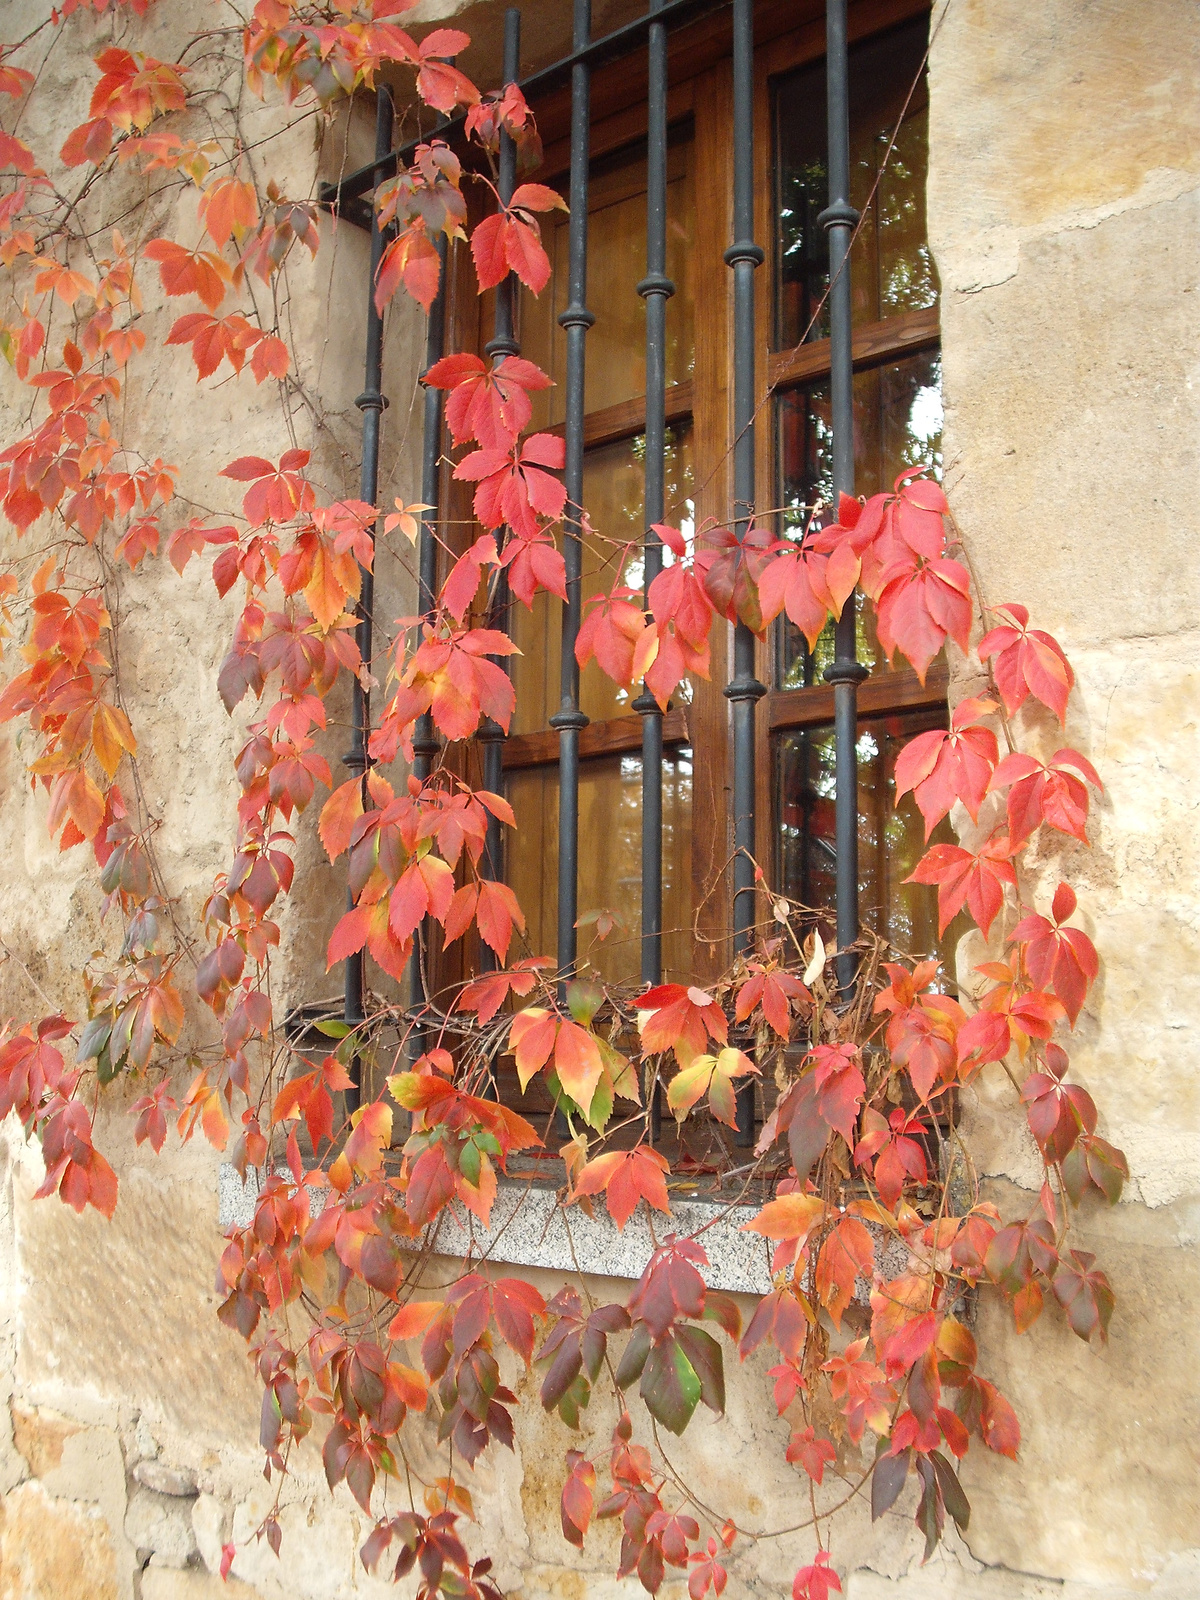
(859, 1155)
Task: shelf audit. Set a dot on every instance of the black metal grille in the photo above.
(743, 257)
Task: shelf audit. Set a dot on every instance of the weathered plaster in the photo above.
(1063, 208)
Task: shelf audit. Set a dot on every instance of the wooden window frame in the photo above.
(790, 34)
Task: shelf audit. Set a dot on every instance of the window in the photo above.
(897, 421)
(610, 783)
(897, 405)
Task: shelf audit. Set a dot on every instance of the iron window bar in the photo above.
(839, 220)
(371, 402)
(656, 289)
(425, 741)
(345, 196)
(743, 257)
(744, 691)
(576, 319)
(503, 343)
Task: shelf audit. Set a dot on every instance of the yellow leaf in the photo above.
(333, 578)
(111, 736)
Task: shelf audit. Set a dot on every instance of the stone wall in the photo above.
(1063, 206)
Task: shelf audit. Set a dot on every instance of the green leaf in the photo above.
(634, 1359)
(574, 1401)
(93, 1038)
(1075, 1174)
(105, 1070)
(584, 999)
(564, 1369)
(468, 1163)
(601, 1107)
(955, 1500)
(333, 1027)
(562, 1100)
(704, 1353)
(623, 1072)
(890, 1476)
(930, 1516)
(670, 1385)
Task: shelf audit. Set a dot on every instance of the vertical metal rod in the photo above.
(744, 690)
(576, 320)
(371, 402)
(425, 743)
(839, 220)
(656, 289)
(502, 344)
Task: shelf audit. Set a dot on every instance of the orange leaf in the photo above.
(626, 1176)
(412, 1319)
(228, 208)
(338, 816)
(791, 1216)
(578, 1062)
(372, 1130)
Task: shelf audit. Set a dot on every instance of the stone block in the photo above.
(164, 1479)
(160, 1525)
(161, 1583)
(52, 1549)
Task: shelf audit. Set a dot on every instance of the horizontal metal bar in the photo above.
(621, 42)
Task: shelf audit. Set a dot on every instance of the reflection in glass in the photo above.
(612, 494)
(891, 838)
(610, 853)
(616, 344)
(892, 269)
(897, 424)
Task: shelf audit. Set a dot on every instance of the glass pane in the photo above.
(891, 838)
(612, 494)
(891, 267)
(897, 424)
(610, 853)
(616, 346)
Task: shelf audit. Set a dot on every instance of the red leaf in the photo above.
(812, 1453)
(817, 1581)
(942, 767)
(976, 878)
(497, 912)
(199, 272)
(847, 1253)
(1046, 792)
(683, 1019)
(1057, 957)
(1027, 662)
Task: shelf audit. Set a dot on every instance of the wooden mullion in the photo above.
(874, 343)
(880, 695)
(611, 424)
(613, 736)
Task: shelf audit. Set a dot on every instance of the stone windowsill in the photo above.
(530, 1229)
